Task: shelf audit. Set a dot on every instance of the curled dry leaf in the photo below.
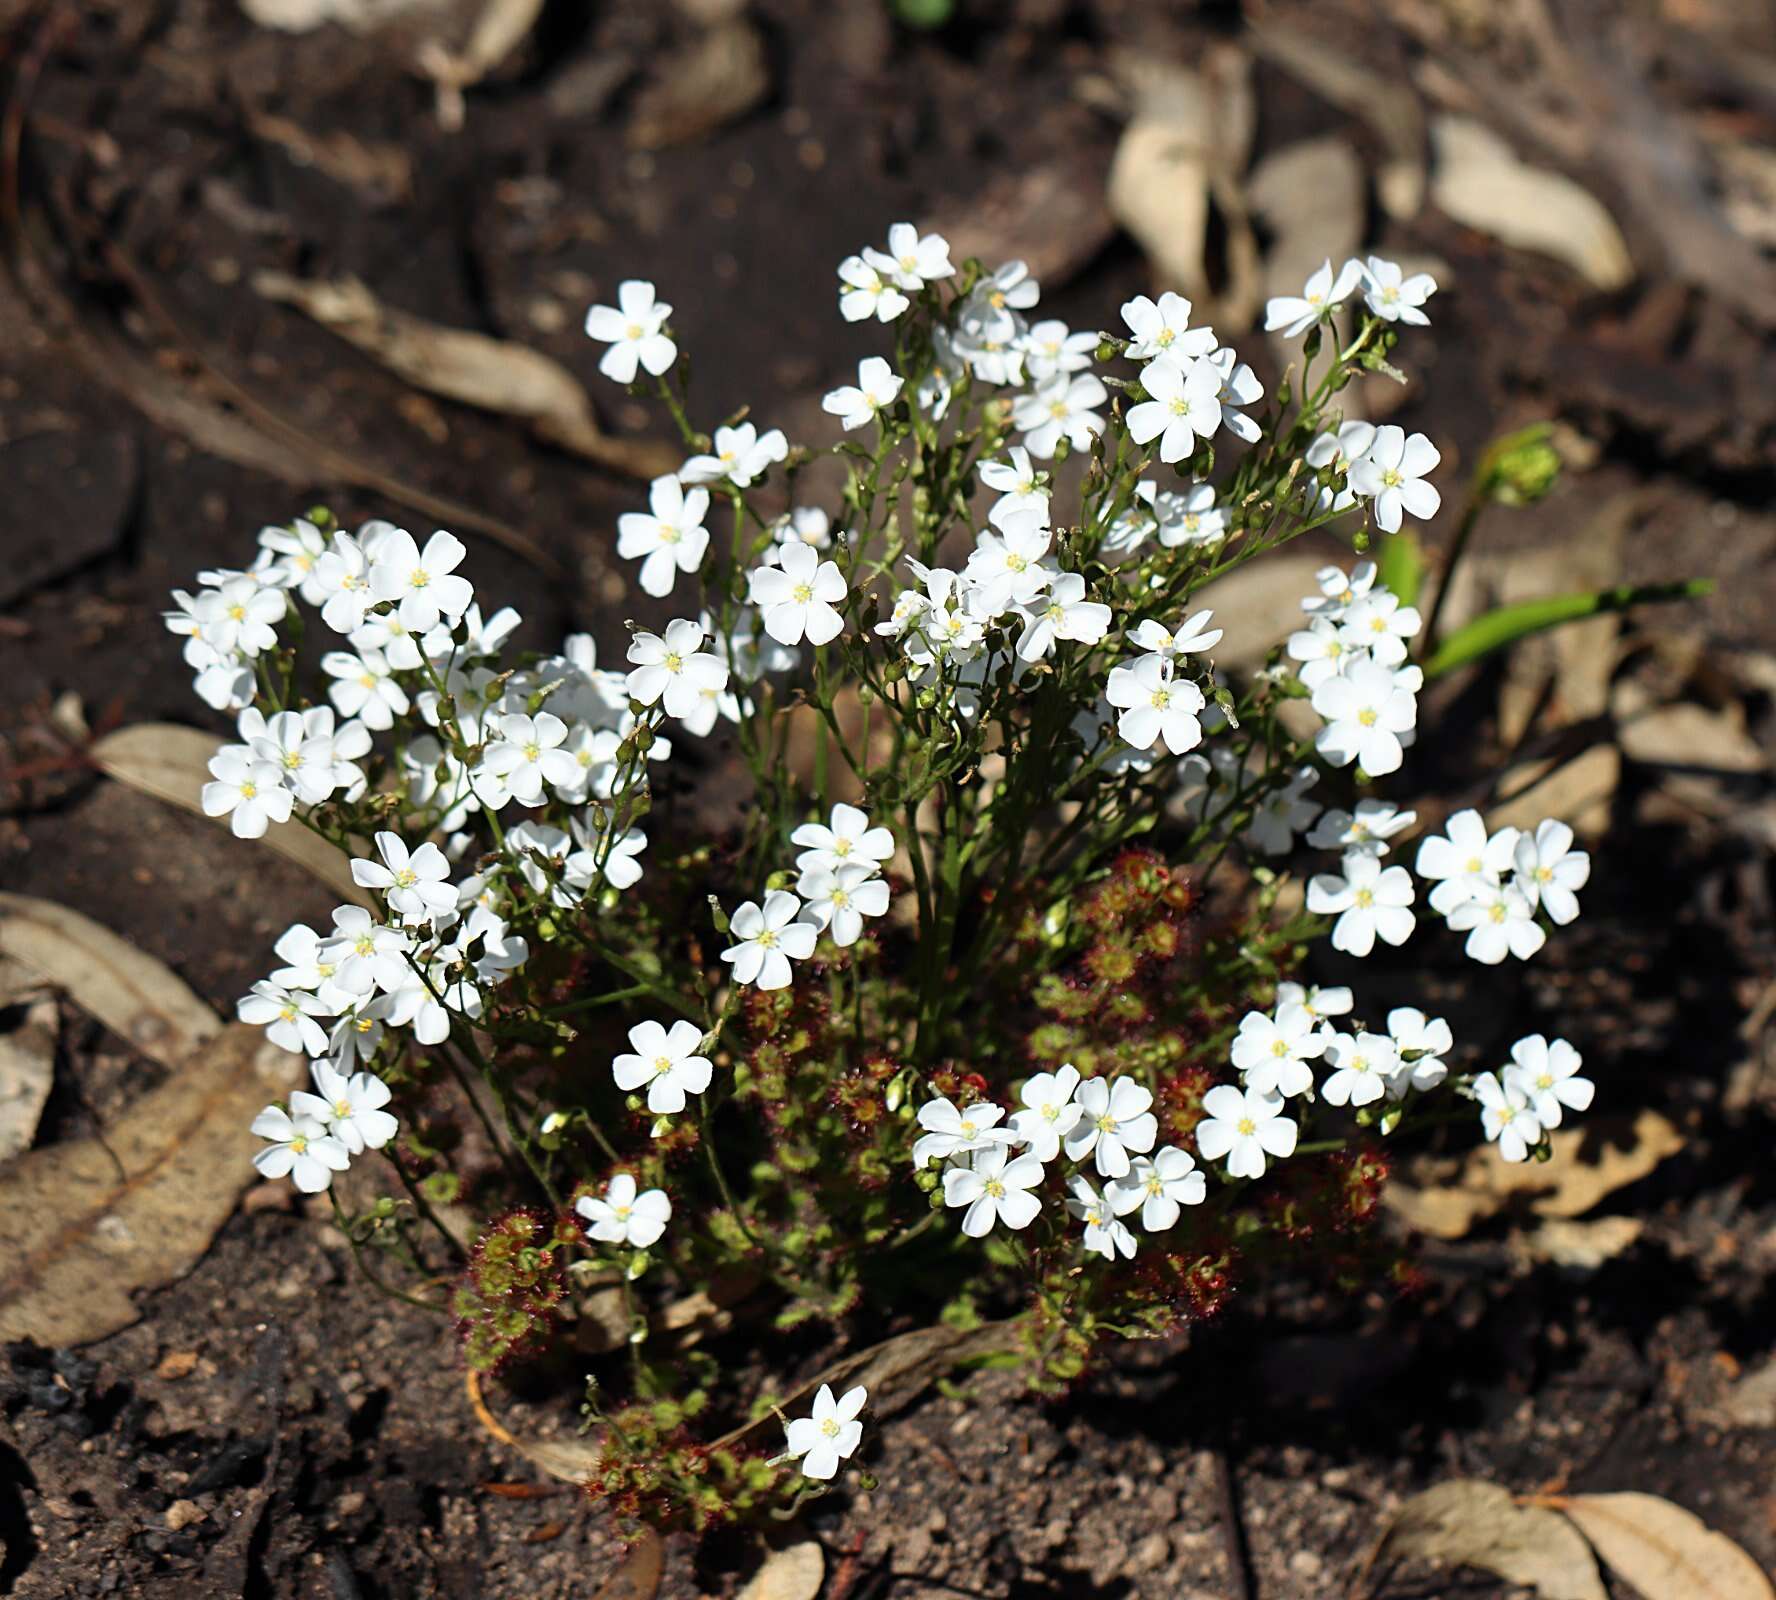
(1469, 1523)
(490, 374)
(1447, 1197)
(131, 993)
(793, 1573)
(27, 1073)
(1478, 180)
(720, 75)
(173, 764)
(1666, 1552)
(84, 1225)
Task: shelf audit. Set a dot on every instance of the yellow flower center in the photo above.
(1365, 898)
(995, 1188)
(419, 579)
(299, 1143)
(802, 594)
(1247, 1127)
(1367, 717)
(767, 940)
(248, 790)
(342, 1108)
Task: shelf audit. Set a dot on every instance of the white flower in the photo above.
(1337, 450)
(301, 1148)
(527, 754)
(1116, 1121)
(1317, 1002)
(299, 549)
(1550, 871)
(425, 582)
(953, 1132)
(247, 790)
(674, 668)
(911, 259)
(354, 1107)
(995, 1187)
(807, 525)
(993, 303)
(287, 1016)
(1061, 407)
(365, 955)
(1239, 387)
(830, 1436)
(1007, 566)
(1293, 315)
(364, 687)
(300, 746)
(1382, 625)
(1062, 613)
(1361, 1066)
(1340, 590)
(1393, 299)
(620, 868)
(240, 615)
(1161, 1187)
(1506, 1117)
(800, 596)
(1368, 828)
(633, 330)
(1366, 710)
(1282, 814)
(1272, 1053)
(1020, 486)
(1105, 1233)
(1546, 1074)
(1192, 636)
(767, 939)
(1324, 650)
(837, 899)
(622, 1216)
(416, 883)
(668, 538)
(876, 389)
(740, 455)
(1499, 921)
(1427, 1040)
(1154, 705)
(1185, 406)
(1049, 1112)
(666, 1062)
(1370, 902)
(847, 839)
(1246, 1127)
(865, 292)
(343, 575)
(1162, 328)
(1051, 347)
(1465, 863)
(1393, 473)
(1189, 518)
(308, 968)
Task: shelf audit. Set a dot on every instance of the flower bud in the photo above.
(1520, 468)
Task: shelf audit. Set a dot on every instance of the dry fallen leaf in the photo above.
(131, 993)
(1666, 1552)
(793, 1573)
(1310, 197)
(639, 1576)
(27, 1074)
(721, 74)
(1578, 1245)
(1479, 181)
(84, 1225)
(172, 764)
(1052, 218)
(1447, 1197)
(1473, 1524)
(490, 374)
(1259, 606)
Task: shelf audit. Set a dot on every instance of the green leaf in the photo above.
(1508, 624)
(1401, 564)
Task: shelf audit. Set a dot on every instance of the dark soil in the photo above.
(271, 1427)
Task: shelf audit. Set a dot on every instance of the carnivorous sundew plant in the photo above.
(920, 914)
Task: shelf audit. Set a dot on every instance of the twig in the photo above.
(1233, 1532)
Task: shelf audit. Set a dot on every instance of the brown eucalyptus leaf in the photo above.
(638, 1578)
(86, 1224)
(173, 764)
(793, 1573)
(1666, 1552)
(131, 993)
(718, 77)
(1469, 1523)
(496, 375)
(27, 1073)
(1447, 1197)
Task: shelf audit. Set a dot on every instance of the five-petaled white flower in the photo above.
(622, 1216)
(1062, 613)
(995, 1187)
(1393, 474)
(857, 405)
(1293, 315)
(1467, 862)
(669, 537)
(830, 1435)
(416, 883)
(354, 1107)
(837, 899)
(1116, 1120)
(1370, 902)
(739, 454)
(865, 291)
(633, 330)
(799, 598)
(845, 838)
(666, 1063)
(248, 791)
(1545, 1072)
(1049, 1112)
(1506, 1117)
(301, 1149)
(528, 753)
(1246, 1127)
(1192, 636)
(1185, 406)
(912, 260)
(1427, 1040)
(1361, 1065)
(1550, 871)
(1499, 921)
(1272, 1053)
(424, 582)
(957, 1131)
(1393, 296)
(1018, 483)
(1061, 407)
(1162, 328)
(1106, 1234)
(1368, 828)
(1366, 709)
(287, 1016)
(1154, 705)
(1160, 1187)
(674, 668)
(767, 939)
(364, 686)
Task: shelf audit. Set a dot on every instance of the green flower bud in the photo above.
(1520, 468)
